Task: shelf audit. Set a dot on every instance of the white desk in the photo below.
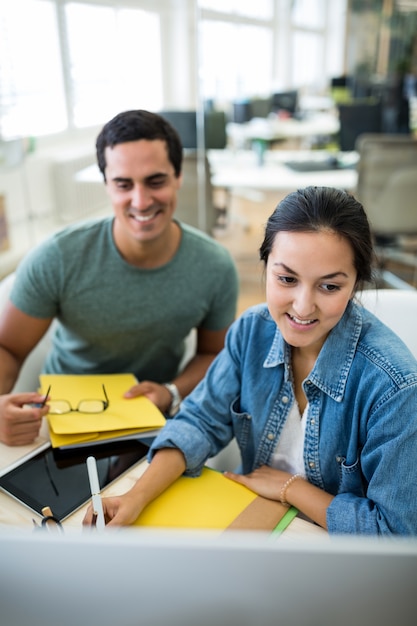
(231, 169)
(240, 170)
(13, 513)
(277, 129)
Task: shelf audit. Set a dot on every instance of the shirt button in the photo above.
(312, 464)
(285, 399)
(308, 382)
(271, 436)
(313, 421)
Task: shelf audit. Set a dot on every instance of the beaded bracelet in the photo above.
(282, 495)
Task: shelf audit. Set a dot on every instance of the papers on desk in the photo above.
(214, 502)
(123, 419)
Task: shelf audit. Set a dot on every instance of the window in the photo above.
(261, 9)
(98, 68)
(32, 98)
(106, 79)
(310, 14)
(236, 59)
(253, 48)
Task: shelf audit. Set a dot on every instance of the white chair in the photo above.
(397, 308)
(28, 379)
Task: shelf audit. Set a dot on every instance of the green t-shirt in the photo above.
(114, 317)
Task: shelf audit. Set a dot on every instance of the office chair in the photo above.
(357, 118)
(387, 187)
(215, 137)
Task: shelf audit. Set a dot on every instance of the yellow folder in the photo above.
(211, 501)
(124, 418)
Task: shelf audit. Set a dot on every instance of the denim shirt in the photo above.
(361, 436)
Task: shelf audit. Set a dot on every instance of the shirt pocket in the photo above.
(351, 477)
(242, 423)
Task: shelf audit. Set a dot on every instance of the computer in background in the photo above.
(186, 125)
(130, 577)
(285, 101)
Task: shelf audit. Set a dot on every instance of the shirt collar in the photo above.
(332, 367)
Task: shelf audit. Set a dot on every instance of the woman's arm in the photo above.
(167, 465)
(287, 488)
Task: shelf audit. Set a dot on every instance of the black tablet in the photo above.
(59, 479)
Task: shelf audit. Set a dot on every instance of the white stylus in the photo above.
(95, 492)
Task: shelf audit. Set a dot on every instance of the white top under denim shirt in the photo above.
(361, 432)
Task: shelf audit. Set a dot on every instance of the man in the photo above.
(127, 290)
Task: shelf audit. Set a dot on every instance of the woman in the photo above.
(320, 395)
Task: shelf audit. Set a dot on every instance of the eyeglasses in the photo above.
(59, 407)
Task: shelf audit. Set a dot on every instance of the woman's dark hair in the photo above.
(324, 208)
(134, 125)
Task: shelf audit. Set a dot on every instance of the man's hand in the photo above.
(156, 393)
(20, 418)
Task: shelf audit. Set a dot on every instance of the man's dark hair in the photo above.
(134, 125)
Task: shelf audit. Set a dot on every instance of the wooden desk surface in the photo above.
(13, 513)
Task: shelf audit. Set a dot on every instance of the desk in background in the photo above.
(240, 169)
(274, 129)
(239, 172)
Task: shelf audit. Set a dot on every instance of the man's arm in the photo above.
(209, 344)
(19, 334)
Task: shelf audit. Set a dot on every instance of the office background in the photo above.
(67, 67)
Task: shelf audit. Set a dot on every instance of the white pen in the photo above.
(95, 492)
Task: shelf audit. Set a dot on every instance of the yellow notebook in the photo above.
(124, 418)
(211, 501)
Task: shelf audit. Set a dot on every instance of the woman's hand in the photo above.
(118, 511)
(166, 466)
(270, 483)
(265, 481)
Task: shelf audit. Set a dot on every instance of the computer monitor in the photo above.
(339, 81)
(357, 118)
(242, 112)
(185, 123)
(156, 578)
(285, 101)
(261, 107)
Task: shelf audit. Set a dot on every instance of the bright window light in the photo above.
(308, 14)
(230, 67)
(108, 60)
(32, 98)
(112, 71)
(261, 9)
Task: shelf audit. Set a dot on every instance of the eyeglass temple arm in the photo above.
(107, 402)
